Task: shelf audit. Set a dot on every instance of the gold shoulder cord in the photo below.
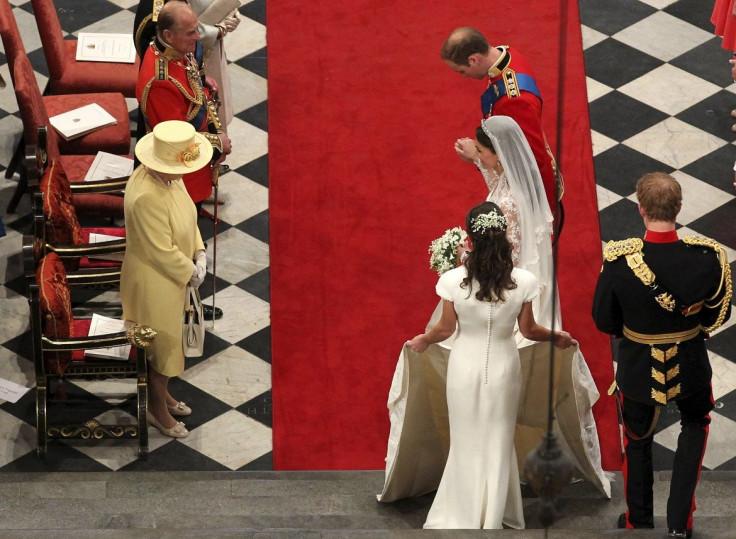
(725, 301)
(615, 249)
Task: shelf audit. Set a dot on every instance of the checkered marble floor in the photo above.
(229, 388)
(661, 95)
(660, 99)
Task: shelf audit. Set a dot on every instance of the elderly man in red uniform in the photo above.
(512, 91)
(170, 88)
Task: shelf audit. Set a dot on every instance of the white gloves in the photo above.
(230, 23)
(200, 269)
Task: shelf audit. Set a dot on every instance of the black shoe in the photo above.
(622, 523)
(207, 311)
(224, 169)
(683, 534)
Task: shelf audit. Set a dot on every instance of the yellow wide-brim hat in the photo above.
(174, 147)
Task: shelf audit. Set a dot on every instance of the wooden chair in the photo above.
(69, 76)
(35, 109)
(59, 340)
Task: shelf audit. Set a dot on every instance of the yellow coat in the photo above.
(161, 239)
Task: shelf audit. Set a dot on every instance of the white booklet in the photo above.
(77, 122)
(94, 237)
(107, 166)
(105, 48)
(102, 325)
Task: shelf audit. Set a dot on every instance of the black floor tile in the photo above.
(75, 15)
(257, 116)
(262, 463)
(696, 12)
(258, 344)
(606, 18)
(256, 226)
(707, 61)
(619, 168)
(614, 63)
(205, 407)
(712, 115)
(258, 284)
(174, 456)
(638, 116)
(724, 342)
(255, 62)
(710, 168)
(259, 408)
(718, 224)
(620, 221)
(256, 170)
(255, 10)
(60, 457)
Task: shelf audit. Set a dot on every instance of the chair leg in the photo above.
(17, 155)
(142, 401)
(19, 190)
(41, 421)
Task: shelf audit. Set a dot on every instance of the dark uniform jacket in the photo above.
(684, 273)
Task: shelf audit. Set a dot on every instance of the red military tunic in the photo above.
(169, 88)
(526, 109)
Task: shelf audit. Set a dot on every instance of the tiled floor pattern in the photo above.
(660, 99)
(229, 388)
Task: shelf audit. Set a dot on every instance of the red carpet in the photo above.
(362, 119)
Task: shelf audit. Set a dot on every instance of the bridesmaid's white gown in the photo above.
(480, 484)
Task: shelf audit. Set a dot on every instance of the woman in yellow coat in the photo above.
(164, 252)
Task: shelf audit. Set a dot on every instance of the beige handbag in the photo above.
(193, 330)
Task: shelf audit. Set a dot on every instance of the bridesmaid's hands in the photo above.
(418, 344)
(562, 340)
(465, 149)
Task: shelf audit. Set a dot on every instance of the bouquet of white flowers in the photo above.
(443, 250)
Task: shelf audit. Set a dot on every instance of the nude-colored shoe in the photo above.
(180, 409)
(177, 431)
(733, 113)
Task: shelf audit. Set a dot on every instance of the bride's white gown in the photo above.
(480, 484)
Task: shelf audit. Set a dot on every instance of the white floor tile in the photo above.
(663, 36)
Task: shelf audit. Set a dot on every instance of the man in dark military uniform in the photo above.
(663, 296)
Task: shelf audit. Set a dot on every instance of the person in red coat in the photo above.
(512, 91)
(170, 88)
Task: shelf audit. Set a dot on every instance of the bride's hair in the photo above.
(483, 138)
(490, 261)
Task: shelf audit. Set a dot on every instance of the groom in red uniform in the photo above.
(512, 91)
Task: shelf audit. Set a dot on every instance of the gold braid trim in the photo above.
(725, 283)
(139, 31)
(214, 140)
(615, 249)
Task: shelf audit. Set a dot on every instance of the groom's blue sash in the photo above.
(510, 83)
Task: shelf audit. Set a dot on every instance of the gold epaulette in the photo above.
(617, 248)
(725, 288)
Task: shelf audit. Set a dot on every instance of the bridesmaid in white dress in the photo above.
(484, 299)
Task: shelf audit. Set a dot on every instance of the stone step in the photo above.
(304, 504)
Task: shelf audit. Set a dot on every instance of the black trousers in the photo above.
(638, 472)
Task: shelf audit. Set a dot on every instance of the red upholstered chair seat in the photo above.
(33, 112)
(66, 74)
(113, 138)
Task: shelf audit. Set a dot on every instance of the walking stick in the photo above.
(216, 186)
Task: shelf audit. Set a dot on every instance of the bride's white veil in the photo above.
(525, 183)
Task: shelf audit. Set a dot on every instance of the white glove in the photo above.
(230, 23)
(200, 269)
